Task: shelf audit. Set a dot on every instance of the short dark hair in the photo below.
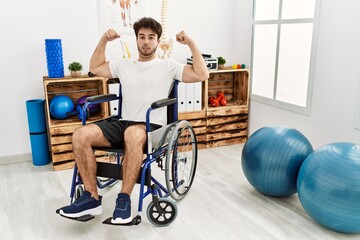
(148, 22)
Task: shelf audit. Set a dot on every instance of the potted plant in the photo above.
(75, 69)
(221, 62)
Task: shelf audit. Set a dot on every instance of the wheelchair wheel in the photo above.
(181, 160)
(168, 215)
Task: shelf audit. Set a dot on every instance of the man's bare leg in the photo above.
(83, 141)
(135, 138)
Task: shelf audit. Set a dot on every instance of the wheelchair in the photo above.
(173, 148)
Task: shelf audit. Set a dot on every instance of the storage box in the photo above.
(60, 131)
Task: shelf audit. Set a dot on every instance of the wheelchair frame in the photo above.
(161, 211)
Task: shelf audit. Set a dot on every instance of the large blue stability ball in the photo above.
(271, 159)
(60, 105)
(329, 186)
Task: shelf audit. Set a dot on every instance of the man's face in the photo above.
(147, 42)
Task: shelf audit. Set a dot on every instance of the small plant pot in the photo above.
(75, 73)
(221, 66)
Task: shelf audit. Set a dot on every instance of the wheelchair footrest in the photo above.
(84, 218)
(136, 221)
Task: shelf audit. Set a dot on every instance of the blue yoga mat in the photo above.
(37, 129)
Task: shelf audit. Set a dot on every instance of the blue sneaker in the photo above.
(122, 212)
(84, 205)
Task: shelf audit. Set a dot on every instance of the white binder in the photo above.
(197, 96)
(181, 97)
(114, 88)
(189, 97)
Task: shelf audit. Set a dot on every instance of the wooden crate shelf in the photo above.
(60, 131)
(198, 122)
(223, 125)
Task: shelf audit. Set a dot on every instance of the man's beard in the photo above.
(146, 54)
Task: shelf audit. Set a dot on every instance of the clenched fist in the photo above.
(110, 35)
(183, 38)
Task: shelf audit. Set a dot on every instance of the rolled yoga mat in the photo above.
(37, 129)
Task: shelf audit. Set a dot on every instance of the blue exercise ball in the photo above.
(329, 186)
(59, 106)
(271, 159)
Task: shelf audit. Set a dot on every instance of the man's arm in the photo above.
(98, 64)
(198, 71)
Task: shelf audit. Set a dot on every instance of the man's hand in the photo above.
(183, 38)
(110, 35)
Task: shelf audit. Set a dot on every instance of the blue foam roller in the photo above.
(54, 58)
(36, 115)
(40, 149)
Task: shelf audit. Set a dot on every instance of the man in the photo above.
(143, 81)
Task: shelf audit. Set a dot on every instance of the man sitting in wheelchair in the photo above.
(143, 82)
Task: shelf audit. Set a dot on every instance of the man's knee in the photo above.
(135, 134)
(84, 135)
(79, 136)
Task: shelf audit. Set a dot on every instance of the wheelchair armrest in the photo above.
(102, 98)
(95, 100)
(163, 102)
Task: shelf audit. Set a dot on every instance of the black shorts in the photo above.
(114, 130)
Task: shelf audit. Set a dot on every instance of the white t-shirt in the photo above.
(143, 83)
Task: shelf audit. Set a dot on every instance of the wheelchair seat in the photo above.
(172, 147)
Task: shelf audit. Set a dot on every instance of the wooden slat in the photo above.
(63, 87)
(199, 130)
(225, 120)
(61, 148)
(224, 135)
(216, 76)
(62, 157)
(61, 139)
(201, 145)
(201, 138)
(227, 111)
(64, 130)
(63, 165)
(225, 142)
(197, 122)
(226, 127)
(191, 115)
(242, 86)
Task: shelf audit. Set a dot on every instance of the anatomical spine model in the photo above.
(165, 46)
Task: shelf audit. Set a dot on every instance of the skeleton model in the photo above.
(165, 46)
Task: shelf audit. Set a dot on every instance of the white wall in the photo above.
(337, 76)
(219, 27)
(26, 24)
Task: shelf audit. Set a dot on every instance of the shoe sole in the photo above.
(121, 221)
(93, 212)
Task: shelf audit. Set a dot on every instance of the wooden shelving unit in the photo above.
(223, 125)
(60, 131)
